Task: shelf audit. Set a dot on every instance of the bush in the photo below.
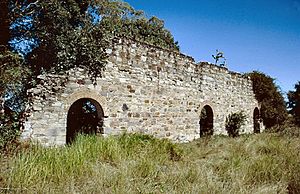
(234, 121)
(9, 129)
(288, 128)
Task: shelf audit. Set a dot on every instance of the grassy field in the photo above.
(265, 163)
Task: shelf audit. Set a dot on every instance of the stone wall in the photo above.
(163, 93)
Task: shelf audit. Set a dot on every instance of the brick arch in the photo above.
(206, 103)
(206, 123)
(88, 124)
(85, 94)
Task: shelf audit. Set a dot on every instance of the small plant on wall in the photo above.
(219, 55)
(234, 121)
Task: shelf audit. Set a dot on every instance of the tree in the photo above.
(273, 107)
(12, 70)
(294, 103)
(64, 35)
(120, 19)
(234, 122)
(68, 36)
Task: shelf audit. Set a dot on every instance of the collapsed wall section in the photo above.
(143, 89)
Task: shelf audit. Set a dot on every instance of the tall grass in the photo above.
(138, 163)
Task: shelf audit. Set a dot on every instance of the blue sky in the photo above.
(259, 35)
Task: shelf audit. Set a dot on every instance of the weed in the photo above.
(136, 163)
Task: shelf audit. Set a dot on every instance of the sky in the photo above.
(260, 35)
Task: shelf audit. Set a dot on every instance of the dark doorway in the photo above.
(256, 120)
(206, 121)
(85, 116)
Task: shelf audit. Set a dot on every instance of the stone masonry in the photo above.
(163, 92)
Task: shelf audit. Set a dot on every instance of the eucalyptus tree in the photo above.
(294, 102)
(273, 106)
(68, 35)
(12, 66)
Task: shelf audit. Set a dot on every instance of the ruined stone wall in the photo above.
(163, 93)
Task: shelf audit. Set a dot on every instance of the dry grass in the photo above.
(136, 163)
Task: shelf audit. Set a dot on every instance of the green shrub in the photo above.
(288, 128)
(9, 130)
(234, 121)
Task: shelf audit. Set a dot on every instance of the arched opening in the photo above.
(85, 116)
(206, 121)
(256, 120)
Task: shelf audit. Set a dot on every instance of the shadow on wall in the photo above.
(85, 116)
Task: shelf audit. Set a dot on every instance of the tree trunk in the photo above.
(4, 24)
(1, 105)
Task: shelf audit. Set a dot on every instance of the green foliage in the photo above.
(12, 70)
(67, 38)
(121, 20)
(9, 129)
(233, 123)
(12, 74)
(273, 108)
(264, 163)
(294, 103)
(219, 55)
(288, 128)
(151, 31)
